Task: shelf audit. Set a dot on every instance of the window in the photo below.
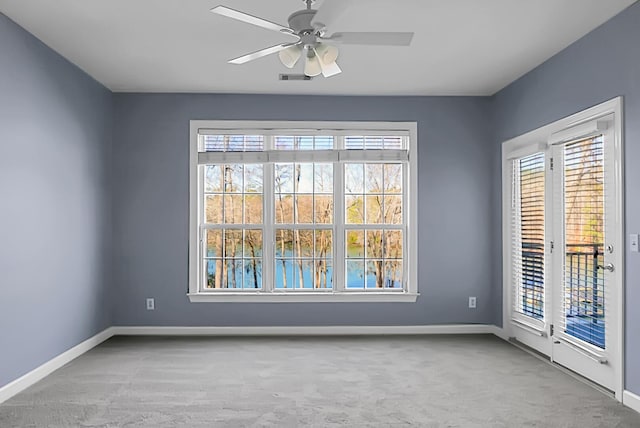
(289, 211)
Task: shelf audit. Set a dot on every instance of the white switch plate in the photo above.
(472, 302)
(151, 304)
(633, 242)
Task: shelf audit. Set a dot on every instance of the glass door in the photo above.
(584, 207)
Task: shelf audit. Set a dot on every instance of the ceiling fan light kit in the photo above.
(290, 56)
(309, 27)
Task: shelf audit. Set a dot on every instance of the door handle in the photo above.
(608, 266)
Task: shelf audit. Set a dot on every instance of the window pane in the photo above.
(284, 273)
(253, 243)
(355, 274)
(252, 273)
(354, 206)
(393, 244)
(393, 209)
(374, 244)
(233, 209)
(284, 143)
(323, 178)
(375, 274)
(213, 181)
(303, 273)
(324, 244)
(253, 208)
(303, 240)
(373, 142)
(322, 275)
(233, 243)
(213, 270)
(232, 143)
(323, 143)
(393, 274)
(393, 178)
(213, 209)
(284, 243)
(283, 178)
(304, 208)
(234, 273)
(374, 209)
(305, 142)
(233, 178)
(395, 143)
(303, 178)
(354, 178)
(304, 259)
(214, 243)
(373, 178)
(253, 178)
(324, 209)
(284, 209)
(355, 244)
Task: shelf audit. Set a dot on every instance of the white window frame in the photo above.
(338, 293)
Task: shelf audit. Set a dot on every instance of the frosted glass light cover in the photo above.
(290, 56)
(327, 53)
(312, 67)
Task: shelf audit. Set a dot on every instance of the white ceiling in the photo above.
(461, 47)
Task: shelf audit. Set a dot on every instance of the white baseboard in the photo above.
(500, 332)
(25, 381)
(305, 331)
(631, 400)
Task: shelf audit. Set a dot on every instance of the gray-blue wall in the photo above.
(151, 198)
(598, 67)
(55, 139)
(58, 172)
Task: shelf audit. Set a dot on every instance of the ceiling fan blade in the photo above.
(328, 12)
(254, 20)
(330, 69)
(379, 39)
(259, 54)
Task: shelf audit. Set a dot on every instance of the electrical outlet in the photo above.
(633, 242)
(472, 302)
(151, 304)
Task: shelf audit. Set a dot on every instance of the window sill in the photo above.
(304, 297)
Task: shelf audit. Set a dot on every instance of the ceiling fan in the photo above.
(309, 29)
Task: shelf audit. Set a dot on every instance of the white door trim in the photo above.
(534, 139)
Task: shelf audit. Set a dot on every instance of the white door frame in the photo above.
(540, 137)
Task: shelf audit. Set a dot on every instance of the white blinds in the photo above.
(528, 235)
(583, 304)
(296, 147)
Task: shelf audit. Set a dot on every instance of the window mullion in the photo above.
(202, 218)
(339, 280)
(406, 203)
(268, 238)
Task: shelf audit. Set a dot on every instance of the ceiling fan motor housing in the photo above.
(300, 21)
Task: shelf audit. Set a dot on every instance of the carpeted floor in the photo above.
(434, 381)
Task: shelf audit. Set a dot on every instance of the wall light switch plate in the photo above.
(633, 243)
(151, 304)
(472, 302)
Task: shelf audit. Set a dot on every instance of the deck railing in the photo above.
(584, 284)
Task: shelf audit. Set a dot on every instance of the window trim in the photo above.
(337, 294)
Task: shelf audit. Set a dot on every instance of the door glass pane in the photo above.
(528, 235)
(584, 283)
